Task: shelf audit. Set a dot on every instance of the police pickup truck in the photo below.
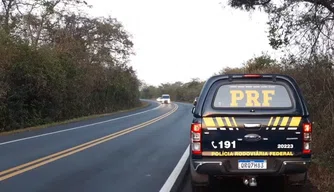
(250, 126)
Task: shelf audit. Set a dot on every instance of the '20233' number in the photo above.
(224, 144)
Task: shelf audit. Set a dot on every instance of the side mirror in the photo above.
(195, 101)
(193, 110)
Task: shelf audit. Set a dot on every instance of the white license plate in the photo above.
(252, 164)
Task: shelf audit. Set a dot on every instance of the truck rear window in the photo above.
(252, 95)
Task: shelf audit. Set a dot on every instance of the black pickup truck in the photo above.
(250, 126)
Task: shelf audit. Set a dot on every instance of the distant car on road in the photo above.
(250, 126)
(159, 99)
(165, 99)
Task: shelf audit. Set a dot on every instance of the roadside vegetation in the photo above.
(178, 91)
(58, 63)
(304, 30)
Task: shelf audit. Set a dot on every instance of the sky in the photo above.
(177, 40)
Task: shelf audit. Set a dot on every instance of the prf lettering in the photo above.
(252, 97)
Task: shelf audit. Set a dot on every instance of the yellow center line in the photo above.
(53, 157)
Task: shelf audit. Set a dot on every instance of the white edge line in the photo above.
(79, 127)
(176, 172)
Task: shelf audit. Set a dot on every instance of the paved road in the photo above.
(137, 159)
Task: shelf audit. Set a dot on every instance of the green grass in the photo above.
(143, 105)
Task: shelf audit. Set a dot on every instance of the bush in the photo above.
(53, 82)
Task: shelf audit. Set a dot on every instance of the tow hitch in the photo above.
(250, 181)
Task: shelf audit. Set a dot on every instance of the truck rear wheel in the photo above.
(296, 182)
(199, 182)
(197, 178)
(199, 188)
(297, 179)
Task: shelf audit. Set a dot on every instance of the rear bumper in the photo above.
(229, 166)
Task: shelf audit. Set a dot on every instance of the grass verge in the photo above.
(143, 105)
(321, 177)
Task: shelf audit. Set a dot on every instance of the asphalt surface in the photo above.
(140, 160)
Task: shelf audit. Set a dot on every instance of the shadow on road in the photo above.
(264, 185)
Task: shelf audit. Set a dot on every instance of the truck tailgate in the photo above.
(252, 136)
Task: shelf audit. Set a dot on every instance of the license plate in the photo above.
(252, 164)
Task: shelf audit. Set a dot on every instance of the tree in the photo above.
(7, 7)
(307, 24)
(58, 63)
(260, 64)
(178, 91)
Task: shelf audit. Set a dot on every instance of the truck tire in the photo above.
(296, 183)
(297, 179)
(199, 182)
(199, 188)
(197, 178)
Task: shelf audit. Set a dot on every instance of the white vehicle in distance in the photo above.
(165, 98)
(159, 99)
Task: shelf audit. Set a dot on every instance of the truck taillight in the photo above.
(307, 127)
(307, 148)
(196, 137)
(307, 135)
